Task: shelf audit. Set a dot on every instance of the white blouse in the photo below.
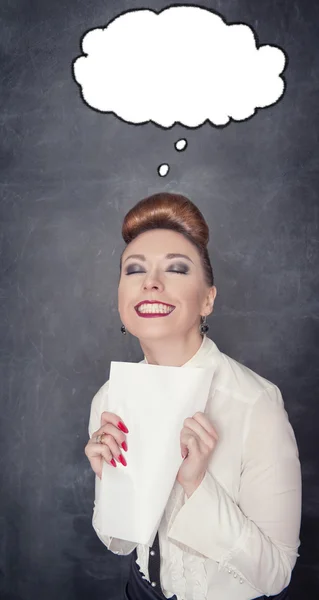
(237, 536)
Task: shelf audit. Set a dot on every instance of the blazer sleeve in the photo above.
(258, 537)
(115, 545)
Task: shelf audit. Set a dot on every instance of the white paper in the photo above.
(153, 401)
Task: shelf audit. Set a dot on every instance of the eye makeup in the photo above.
(179, 268)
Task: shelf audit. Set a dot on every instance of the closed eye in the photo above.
(169, 271)
(179, 267)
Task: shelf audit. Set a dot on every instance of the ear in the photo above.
(212, 293)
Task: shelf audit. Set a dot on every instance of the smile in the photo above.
(153, 310)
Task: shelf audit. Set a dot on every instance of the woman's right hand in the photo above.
(111, 443)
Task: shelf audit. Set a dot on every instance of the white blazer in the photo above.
(237, 536)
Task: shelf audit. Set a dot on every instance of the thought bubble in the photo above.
(163, 169)
(181, 145)
(183, 65)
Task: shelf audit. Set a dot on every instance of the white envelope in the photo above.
(153, 401)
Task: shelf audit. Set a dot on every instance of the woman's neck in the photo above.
(171, 352)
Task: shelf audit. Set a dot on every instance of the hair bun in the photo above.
(170, 211)
(166, 210)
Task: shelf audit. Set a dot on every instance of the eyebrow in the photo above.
(168, 256)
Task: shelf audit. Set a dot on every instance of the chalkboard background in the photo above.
(68, 176)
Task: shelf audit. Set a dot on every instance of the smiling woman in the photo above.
(166, 263)
(231, 525)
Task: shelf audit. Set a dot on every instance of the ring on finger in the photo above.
(98, 439)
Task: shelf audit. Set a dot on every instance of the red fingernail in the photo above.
(122, 427)
(122, 460)
(124, 446)
(113, 462)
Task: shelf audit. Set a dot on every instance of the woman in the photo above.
(230, 530)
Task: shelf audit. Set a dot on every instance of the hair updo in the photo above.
(170, 211)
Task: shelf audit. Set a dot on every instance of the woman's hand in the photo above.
(198, 439)
(112, 438)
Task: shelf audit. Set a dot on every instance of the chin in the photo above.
(151, 334)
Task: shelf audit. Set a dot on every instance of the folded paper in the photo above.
(153, 401)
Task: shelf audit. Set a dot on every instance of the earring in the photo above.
(123, 330)
(203, 328)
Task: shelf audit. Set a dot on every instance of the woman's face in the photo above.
(178, 281)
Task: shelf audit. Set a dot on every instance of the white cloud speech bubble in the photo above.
(183, 65)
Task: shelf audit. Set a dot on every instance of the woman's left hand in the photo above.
(198, 439)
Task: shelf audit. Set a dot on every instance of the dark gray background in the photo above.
(68, 176)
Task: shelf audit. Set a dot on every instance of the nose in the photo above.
(152, 282)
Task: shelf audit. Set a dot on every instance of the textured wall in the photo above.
(68, 176)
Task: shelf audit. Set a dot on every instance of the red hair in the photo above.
(170, 211)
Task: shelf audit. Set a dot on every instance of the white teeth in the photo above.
(154, 308)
